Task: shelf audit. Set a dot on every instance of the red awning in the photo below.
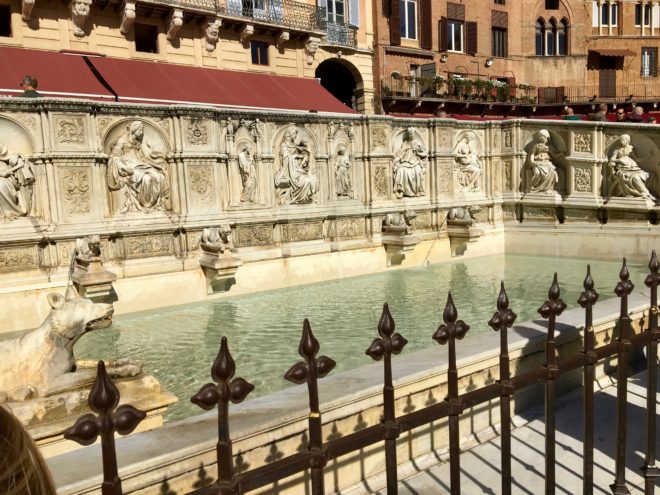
(152, 82)
(59, 75)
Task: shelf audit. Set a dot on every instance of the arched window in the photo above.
(540, 28)
(562, 37)
(550, 31)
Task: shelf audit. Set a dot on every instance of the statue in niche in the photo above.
(541, 172)
(410, 167)
(626, 177)
(16, 184)
(138, 172)
(294, 177)
(468, 167)
(343, 172)
(248, 175)
(217, 239)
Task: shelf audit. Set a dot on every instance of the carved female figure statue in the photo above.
(468, 167)
(409, 167)
(248, 175)
(294, 176)
(138, 171)
(343, 172)
(626, 177)
(541, 172)
(16, 183)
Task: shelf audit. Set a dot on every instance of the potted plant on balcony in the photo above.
(439, 84)
(480, 86)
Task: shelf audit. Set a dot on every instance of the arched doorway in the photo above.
(338, 78)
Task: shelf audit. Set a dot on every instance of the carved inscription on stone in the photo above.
(74, 182)
(154, 245)
(196, 133)
(349, 227)
(71, 130)
(254, 235)
(201, 185)
(381, 181)
(12, 259)
(379, 137)
(582, 179)
(582, 142)
(306, 231)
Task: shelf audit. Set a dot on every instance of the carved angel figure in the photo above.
(138, 172)
(343, 172)
(16, 183)
(410, 167)
(468, 167)
(248, 175)
(627, 179)
(294, 178)
(541, 172)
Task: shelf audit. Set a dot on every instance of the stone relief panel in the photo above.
(303, 231)
(17, 174)
(624, 174)
(506, 139)
(467, 166)
(582, 179)
(296, 178)
(409, 165)
(507, 165)
(445, 176)
(247, 169)
(379, 138)
(343, 171)
(14, 259)
(445, 137)
(424, 220)
(349, 227)
(70, 131)
(202, 185)
(75, 184)
(545, 155)
(138, 176)
(381, 178)
(583, 142)
(196, 132)
(147, 246)
(254, 235)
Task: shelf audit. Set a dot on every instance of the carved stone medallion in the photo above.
(70, 130)
(197, 133)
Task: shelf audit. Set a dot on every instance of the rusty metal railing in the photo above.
(104, 398)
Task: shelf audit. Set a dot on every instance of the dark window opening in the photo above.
(551, 4)
(146, 38)
(5, 21)
(259, 52)
(499, 42)
(500, 2)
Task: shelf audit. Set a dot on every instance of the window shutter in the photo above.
(442, 34)
(426, 25)
(395, 23)
(456, 11)
(499, 19)
(471, 35)
(354, 13)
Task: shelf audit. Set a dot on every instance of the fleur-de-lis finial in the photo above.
(504, 317)
(389, 342)
(589, 296)
(451, 328)
(653, 278)
(625, 286)
(308, 349)
(554, 306)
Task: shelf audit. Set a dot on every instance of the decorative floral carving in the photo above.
(534, 212)
(445, 138)
(75, 184)
(582, 142)
(29, 121)
(445, 175)
(424, 220)
(254, 235)
(155, 245)
(193, 240)
(349, 227)
(381, 181)
(11, 259)
(102, 124)
(197, 133)
(305, 231)
(582, 179)
(71, 130)
(201, 185)
(379, 137)
(164, 124)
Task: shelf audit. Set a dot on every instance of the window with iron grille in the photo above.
(649, 61)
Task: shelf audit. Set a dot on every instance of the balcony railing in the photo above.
(288, 13)
(340, 34)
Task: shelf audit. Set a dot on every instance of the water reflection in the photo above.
(178, 345)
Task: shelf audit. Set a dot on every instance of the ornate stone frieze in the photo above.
(193, 240)
(349, 227)
(79, 13)
(212, 33)
(18, 258)
(379, 137)
(445, 176)
(508, 175)
(196, 133)
(610, 139)
(201, 185)
(75, 184)
(582, 142)
(304, 231)
(424, 220)
(146, 246)
(346, 127)
(29, 121)
(174, 23)
(102, 124)
(127, 17)
(538, 212)
(381, 181)
(445, 137)
(254, 235)
(70, 130)
(582, 179)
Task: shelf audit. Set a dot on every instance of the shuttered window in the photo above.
(395, 23)
(354, 13)
(425, 25)
(455, 36)
(443, 37)
(456, 11)
(499, 19)
(471, 34)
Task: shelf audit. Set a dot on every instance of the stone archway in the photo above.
(342, 80)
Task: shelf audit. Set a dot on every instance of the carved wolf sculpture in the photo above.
(42, 359)
(399, 222)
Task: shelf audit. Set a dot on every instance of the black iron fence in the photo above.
(341, 34)
(104, 398)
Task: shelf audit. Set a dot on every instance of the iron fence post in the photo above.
(502, 320)
(650, 470)
(103, 399)
(389, 343)
(586, 300)
(310, 371)
(221, 392)
(448, 333)
(553, 307)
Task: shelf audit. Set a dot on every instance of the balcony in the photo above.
(287, 13)
(341, 35)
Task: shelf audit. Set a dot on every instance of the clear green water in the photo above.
(178, 344)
